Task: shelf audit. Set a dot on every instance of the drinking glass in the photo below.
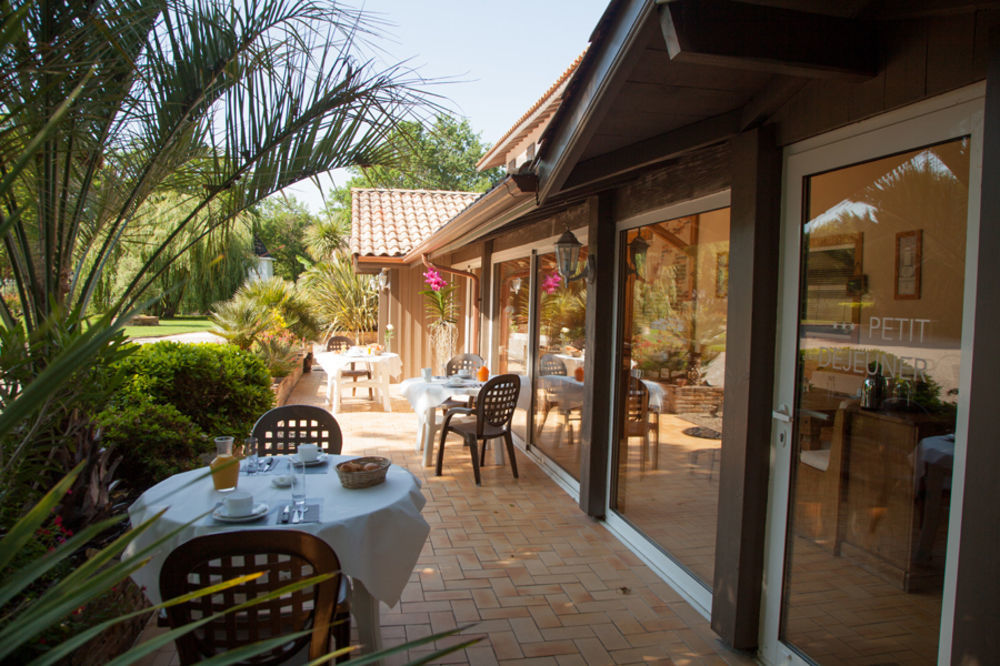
(299, 486)
(250, 451)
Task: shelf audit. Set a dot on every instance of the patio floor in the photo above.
(543, 583)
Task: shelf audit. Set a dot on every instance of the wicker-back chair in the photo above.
(460, 362)
(551, 365)
(282, 429)
(284, 557)
(455, 364)
(494, 410)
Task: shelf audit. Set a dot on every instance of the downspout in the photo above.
(475, 286)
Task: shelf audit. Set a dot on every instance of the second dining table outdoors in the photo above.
(384, 366)
(377, 532)
(426, 396)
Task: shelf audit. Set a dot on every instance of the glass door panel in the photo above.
(562, 314)
(666, 474)
(514, 289)
(880, 321)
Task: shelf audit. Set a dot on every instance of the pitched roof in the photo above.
(537, 115)
(389, 223)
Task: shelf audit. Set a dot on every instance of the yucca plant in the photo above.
(341, 299)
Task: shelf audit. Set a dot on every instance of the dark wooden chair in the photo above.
(494, 410)
(549, 399)
(284, 557)
(341, 344)
(282, 429)
(459, 362)
(637, 421)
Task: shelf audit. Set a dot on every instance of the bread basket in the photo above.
(363, 478)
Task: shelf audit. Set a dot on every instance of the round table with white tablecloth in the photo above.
(377, 532)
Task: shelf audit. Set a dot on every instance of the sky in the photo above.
(499, 57)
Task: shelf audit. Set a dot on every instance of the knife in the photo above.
(285, 512)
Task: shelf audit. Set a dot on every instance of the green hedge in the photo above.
(174, 399)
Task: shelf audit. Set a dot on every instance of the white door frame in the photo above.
(941, 118)
(696, 593)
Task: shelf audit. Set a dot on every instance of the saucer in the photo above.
(320, 459)
(258, 512)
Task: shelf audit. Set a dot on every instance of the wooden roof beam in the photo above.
(653, 150)
(770, 39)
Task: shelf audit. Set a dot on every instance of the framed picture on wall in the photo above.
(908, 260)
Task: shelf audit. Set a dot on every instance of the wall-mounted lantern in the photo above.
(568, 256)
(637, 255)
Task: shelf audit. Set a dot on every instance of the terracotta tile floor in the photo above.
(542, 583)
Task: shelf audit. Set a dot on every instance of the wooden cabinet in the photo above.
(882, 497)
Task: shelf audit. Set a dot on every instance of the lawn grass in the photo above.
(170, 327)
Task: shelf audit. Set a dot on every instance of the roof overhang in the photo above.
(498, 207)
(663, 77)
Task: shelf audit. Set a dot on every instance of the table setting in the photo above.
(373, 524)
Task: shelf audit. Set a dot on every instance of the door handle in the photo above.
(782, 414)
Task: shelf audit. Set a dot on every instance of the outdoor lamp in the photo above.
(637, 254)
(568, 255)
(383, 280)
(515, 285)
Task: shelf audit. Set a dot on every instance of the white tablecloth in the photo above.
(383, 367)
(377, 532)
(426, 397)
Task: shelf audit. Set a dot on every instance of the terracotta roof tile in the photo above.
(390, 223)
(550, 99)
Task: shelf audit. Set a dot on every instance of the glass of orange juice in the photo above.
(225, 468)
(483, 373)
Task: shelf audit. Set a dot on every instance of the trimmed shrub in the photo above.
(173, 400)
(153, 441)
(219, 388)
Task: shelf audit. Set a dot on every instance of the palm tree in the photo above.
(104, 105)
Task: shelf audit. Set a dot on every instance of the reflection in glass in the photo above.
(883, 257)
(562, 314)
(674, 321)
(514, 289)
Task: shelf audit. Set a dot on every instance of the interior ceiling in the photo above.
(660, 95)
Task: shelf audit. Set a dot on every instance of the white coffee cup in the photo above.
(426, 374)
(238, 503)
(308, 452)
(465, 373)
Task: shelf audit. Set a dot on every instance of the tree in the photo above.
(439, 156)
(283, 225)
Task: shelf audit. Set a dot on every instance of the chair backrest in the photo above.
(463, 362)
(496, 402)
(636, 407)
(550, 365)
(339, 343)
(282, 429)
(284, 557)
